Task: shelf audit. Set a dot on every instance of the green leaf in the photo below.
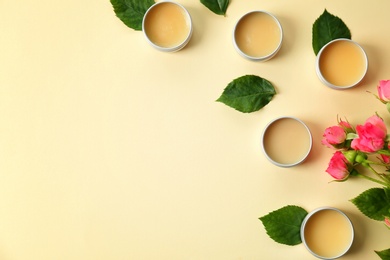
(248, 93)
(374, 203)
(284, 225)
(327, 28)
(216, 6)
(384, 254)
(384, 152)
(351, 136)
(131, 12)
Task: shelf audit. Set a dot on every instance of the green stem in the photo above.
(371, 179)
(377, 163)
(385, 183)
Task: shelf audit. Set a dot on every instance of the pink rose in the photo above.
(347, 127)
(384, 90)
(387, 221)
(385, 158)
(338, 166)
(333, 135)
(371, 135)
(336, 135)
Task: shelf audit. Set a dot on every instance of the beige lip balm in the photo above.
(258, 35)
(287, 141)
(327, 233)
(167, 26)
(341, 64)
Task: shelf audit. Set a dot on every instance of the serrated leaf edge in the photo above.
(353, 201)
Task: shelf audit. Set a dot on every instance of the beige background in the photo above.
(110, 149)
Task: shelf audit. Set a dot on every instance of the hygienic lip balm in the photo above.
(167, 26)
(327, 233)
(341, 64)
(287, 141)
(258, 35)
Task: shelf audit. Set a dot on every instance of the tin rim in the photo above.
(286, 165)
(325, 81)
(306, 219)
(259, 58)
(180, 45)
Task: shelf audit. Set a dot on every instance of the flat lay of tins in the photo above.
(256, 36)
(195, 129)
(286, 141)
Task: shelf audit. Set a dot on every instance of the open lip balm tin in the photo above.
(327, 233)
(286, 141)
(167, 26)
(341, 64)
(258, 36)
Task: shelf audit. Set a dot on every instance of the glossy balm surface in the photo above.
(286, 141)
(257, 34)
(342, 63)
(166, 25)
(328, 233)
